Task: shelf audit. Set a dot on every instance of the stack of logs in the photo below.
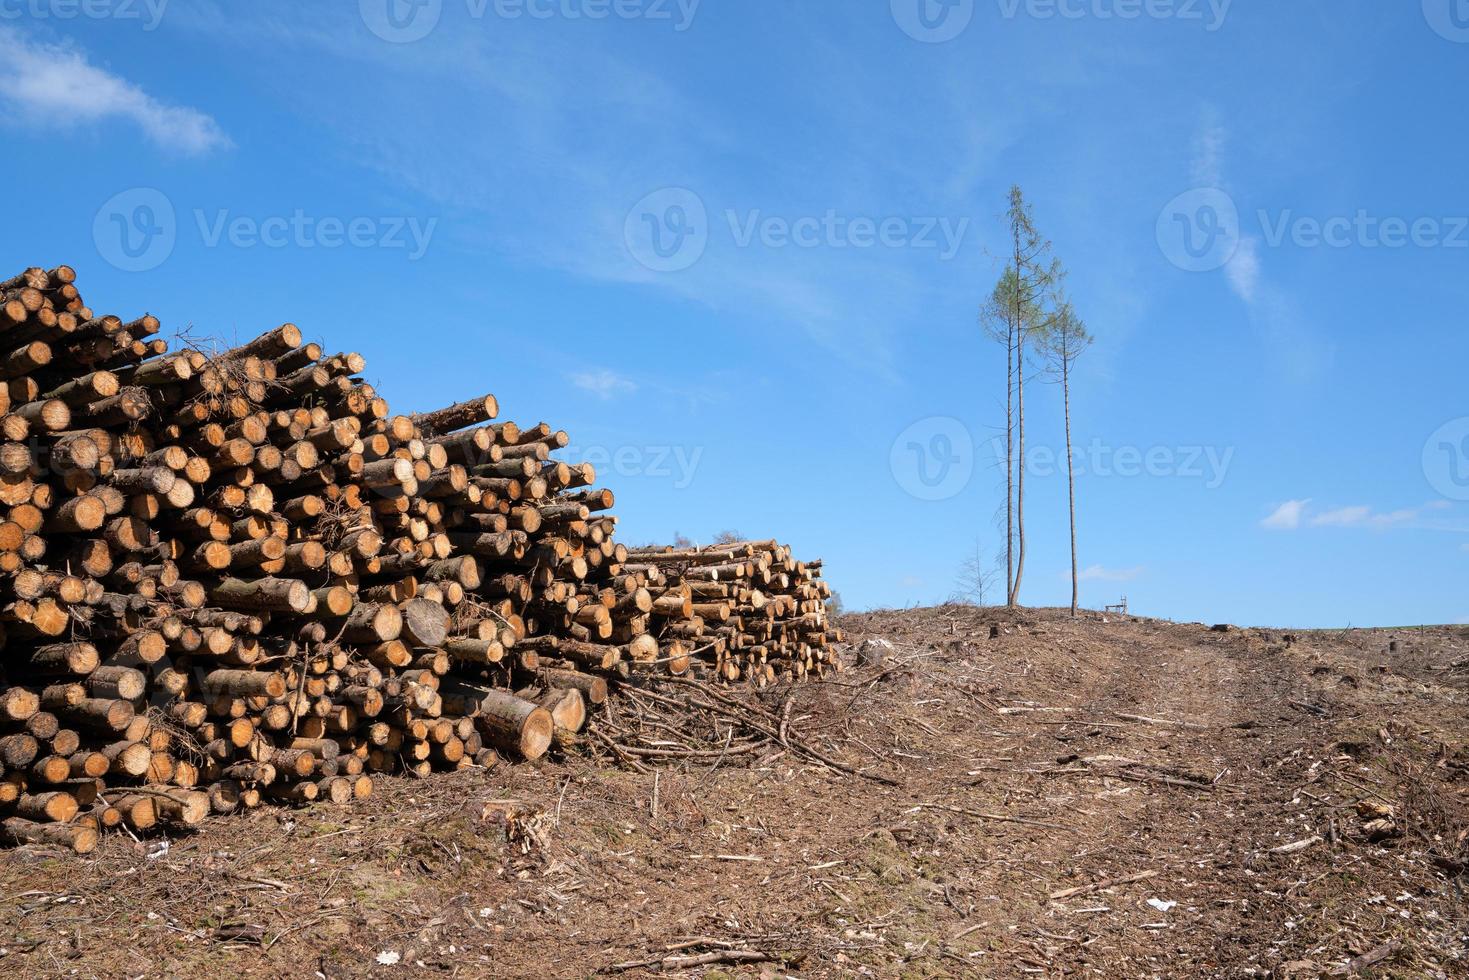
(230, 577)
(749, 609)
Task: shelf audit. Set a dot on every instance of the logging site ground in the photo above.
(1005, 794)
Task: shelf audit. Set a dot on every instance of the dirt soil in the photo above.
(1040, 796)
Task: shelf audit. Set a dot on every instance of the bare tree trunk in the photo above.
(1012, 572)
(1019, 463)
(1070, 469)
(1010, 468)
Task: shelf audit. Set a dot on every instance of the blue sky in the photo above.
(737, 251)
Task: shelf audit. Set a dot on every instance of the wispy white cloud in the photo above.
(1342, 517)
(1098, 573)
(603, 383)
(596, 129)
(1295, 345)
(1243, 270)
(1295, 513)
(1363, 516)
(55, 85)
(1286, 517)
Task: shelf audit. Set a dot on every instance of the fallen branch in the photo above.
(1373, 957)
(999, 817)
(700, 959)
(1164, 722)
(1295, 846)
(1102, 885)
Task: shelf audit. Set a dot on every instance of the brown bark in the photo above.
(78, 838)
(267, 594)
(471, 650)
(370, 623)
(117, 682)
(471, 412)
(101, 714)
(54, 807)
(18, 751)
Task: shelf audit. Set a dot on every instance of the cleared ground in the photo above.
(1123, 798)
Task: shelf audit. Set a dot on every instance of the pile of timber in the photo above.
(745, 611)
(232, 577)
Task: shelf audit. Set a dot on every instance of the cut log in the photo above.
(17, 704)
(46, 807)
(515, 724)
(568, 709)
(267, 594)
(425, 623)
(471, 412)
(79, 838)
(592, 688)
